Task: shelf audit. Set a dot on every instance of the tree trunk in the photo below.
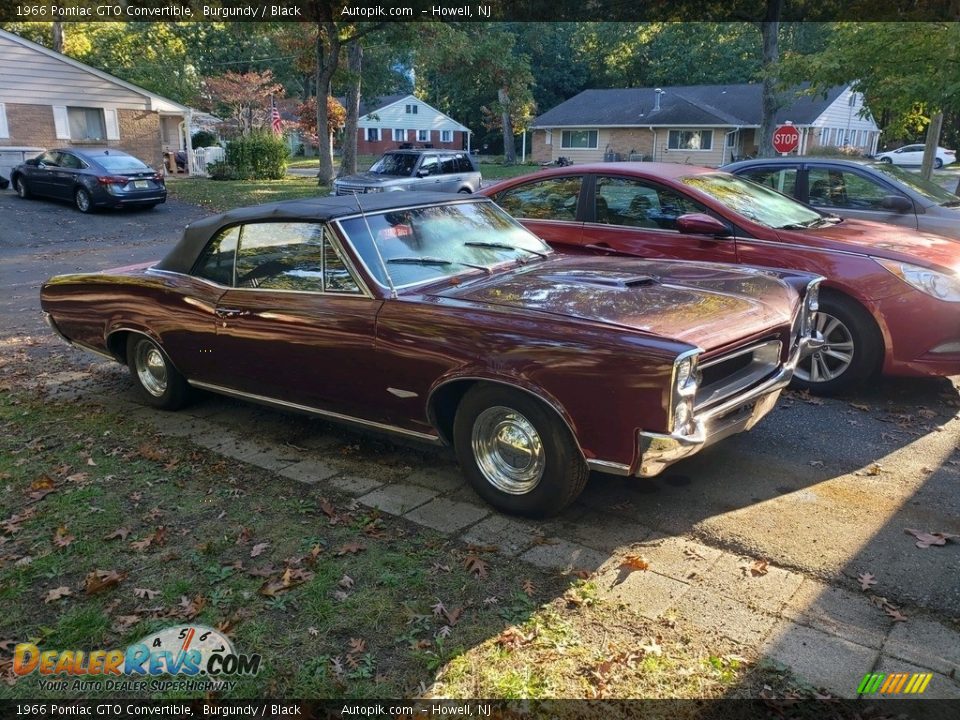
(933, 140)
(58, 37)
(348, 161)
(769, 30)
(328, 57)
(509, 147)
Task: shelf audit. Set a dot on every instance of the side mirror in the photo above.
(896, 203)
(423, 173)
(33, 162)
(701, 224)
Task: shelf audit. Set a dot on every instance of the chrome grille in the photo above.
(351, 189)
(736, 371)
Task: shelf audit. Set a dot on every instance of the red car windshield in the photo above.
(755, 202)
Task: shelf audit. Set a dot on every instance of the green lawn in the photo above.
(225, 194)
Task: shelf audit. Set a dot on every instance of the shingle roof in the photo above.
(734, 105)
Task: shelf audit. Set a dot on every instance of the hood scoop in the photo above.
(603, 279)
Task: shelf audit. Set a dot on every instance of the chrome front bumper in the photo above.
(740, 413)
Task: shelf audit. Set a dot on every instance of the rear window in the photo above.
(121, 163)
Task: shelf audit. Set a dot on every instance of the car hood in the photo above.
(368, 178)
(708, 305)
(880, 240)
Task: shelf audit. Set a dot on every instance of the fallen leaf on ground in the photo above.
(44, 482)
(118, 534)
(57, 593)
(514, 637)
(189, 609)
(349, 548)
(476, 566)
(895, 614)
(925, 539)
(860, 406)
(246, 534)
(866, 581)
(61, 538)
(101, 580)
(758, 568)
(145, 594)
(635, 562)
(357, 646)
(262, 571)
(528, 588)
(258, 549)
(313, 632)
(346, 582)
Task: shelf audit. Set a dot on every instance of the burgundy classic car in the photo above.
(889, 300)
(445, 320)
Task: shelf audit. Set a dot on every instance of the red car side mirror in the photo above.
(701, 224)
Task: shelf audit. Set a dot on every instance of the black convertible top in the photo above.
(321, 209)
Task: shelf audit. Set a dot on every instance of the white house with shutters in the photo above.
(50, 100)
(398, 121)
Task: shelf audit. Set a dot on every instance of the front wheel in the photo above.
(157, 380)
(516, 452)
(81, 198)
(887, 160)
(20, 185)
(847, 348)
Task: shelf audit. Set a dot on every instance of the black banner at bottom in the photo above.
(868, 709)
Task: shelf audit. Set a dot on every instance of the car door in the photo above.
(296, 326)
(639, 216)
(908, 155)
(450, 176)
(427, 176)
(63, 178)
(549, 208)
(850, 193)
(40, 177)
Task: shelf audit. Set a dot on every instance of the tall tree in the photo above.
(770, 103)
(348, 158)
(245, 96)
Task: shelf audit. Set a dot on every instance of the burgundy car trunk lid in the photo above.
(706, 305)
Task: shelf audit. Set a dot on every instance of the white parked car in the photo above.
(913, 155)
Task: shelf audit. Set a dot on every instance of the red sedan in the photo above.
(889, 301)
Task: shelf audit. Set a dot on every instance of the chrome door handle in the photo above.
(231, 312)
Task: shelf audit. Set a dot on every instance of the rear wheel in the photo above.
(81, 198)
(20, 185)
(846, 351)
(157, 380)
(937, 163)
(516, 452)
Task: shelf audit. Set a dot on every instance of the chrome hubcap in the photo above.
(83, 202)
(508, 450)
(151, 369)
(830, 353)
(21, 188)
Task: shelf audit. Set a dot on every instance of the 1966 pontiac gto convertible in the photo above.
(443, 319)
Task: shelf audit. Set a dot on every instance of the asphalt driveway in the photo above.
(822, 489)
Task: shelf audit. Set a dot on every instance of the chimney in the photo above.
(656, 102)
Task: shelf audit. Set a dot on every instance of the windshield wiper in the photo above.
(503, 246)
(427, 260)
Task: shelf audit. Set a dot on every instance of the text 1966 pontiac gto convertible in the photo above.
(445, 320)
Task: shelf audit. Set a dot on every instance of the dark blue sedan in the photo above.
(90, 178)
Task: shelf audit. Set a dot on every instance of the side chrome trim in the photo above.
(402, 393)
(56, 331)
(102, 354)
(612, 468)
(315, 411)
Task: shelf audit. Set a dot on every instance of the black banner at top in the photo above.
(475, 10)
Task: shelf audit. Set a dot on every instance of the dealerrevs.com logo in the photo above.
(195, 656)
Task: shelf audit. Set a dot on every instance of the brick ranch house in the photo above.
(405, 120)
(698, 124)
(50, 100)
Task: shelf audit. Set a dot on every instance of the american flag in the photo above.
(275, 122)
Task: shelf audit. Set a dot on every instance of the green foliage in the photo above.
(258, 156)
(835, 152)
(203, 138)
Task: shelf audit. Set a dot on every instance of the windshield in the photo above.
(430, 243)
(929, 190)
(755, 202)
(400, 164)
(121, 163)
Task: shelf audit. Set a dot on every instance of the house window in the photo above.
(399, 135)
(411, 109)
(446, 136)
(373, 134)
(690, 140)
(578, 139)
(423, 135)
(86, 123)
(732, 138)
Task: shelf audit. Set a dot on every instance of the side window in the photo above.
(216, 262)
(69, 161)
(449, 165)
(553, 199)
(50, 159)
(637, 203)
(780, 179)
(841, 189)
(430, 165)
(464, 164)
(291, 256)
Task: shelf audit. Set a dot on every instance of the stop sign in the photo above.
(785, 138)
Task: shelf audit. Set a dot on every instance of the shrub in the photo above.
(844, 151)
(220, 170)
(204, 138)
(258, 156)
